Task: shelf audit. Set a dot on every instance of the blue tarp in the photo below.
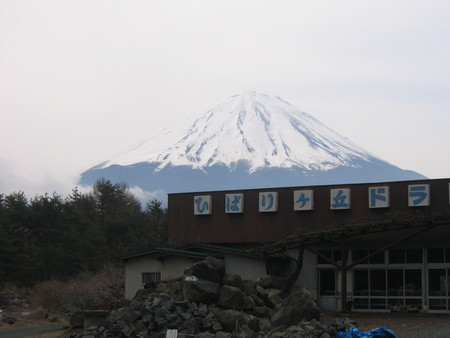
(380, 332)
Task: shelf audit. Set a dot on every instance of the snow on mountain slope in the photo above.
(262, 130)
(250, 141)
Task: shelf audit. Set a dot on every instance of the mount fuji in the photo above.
(249, 141)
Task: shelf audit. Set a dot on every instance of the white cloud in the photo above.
(33, 181)
(147, 196)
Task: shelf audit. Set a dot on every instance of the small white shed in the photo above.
(165, 264)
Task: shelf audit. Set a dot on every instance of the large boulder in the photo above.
(272, 298)
(232, 320)
(200, 290)
(211, 269)
(249, 287)
(298, 306)
(231, 297)
(233, 280)
(272, 282)
(275, 298)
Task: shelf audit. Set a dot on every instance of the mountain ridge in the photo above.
(258, 127)
(249, 141)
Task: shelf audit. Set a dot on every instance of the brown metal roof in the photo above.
(354, 230)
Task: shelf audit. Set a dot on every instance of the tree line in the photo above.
(49, 237)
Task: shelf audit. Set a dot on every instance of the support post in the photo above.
(344, 253)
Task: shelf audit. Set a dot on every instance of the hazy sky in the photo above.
(82, 80)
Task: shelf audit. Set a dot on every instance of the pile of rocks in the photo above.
(206, 302)
(10, 305)
(9, 300)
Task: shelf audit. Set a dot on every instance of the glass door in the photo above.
(438, 285)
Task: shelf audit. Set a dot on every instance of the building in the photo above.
(374, 247)
(165, 264)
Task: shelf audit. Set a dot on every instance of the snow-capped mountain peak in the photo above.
(263, 131)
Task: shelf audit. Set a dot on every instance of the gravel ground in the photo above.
(30, 331)
(406, 325)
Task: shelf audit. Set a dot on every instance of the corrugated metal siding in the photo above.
(254, 226)
(133, 274)
(246, 267)
(308, 275)
(173, 267)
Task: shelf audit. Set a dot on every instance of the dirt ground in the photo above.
(397, 322)
(401, 323)
(28, 319)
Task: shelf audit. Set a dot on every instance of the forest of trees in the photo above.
(49, 237)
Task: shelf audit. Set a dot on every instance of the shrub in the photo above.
(103, 290)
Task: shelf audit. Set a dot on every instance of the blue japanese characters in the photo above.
(379, 197)
(234, 203)
(303, 200)
(268, 201)
(202, 205)
(340, 199)
(418, 195)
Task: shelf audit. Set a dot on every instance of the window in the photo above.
(395, 282)
(409, 256)
(370, 289)
(334, 255)
(438, 289)
(447, 255)
(397, 256)
(327, 279)
(437, 282)
(382, 289)
(151, 278)
(436, 255)
(414, 256)
(378, 282)
(376, 259)
(371, 282)
(358, 254)
(361, 282)
(413, 282)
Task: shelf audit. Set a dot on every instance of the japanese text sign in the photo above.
(340, 199)
(379, 197)
(418, 195)
(303, 200)
(268, 201)
(234, 203)
(202, 205)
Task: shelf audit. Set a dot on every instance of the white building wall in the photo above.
(133, 273)
(246, 267)
(308, 274)
(173, 267)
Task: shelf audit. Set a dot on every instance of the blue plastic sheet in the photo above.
(380, 332)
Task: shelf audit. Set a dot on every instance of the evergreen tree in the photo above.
(8, 249)
(156, 218)
(16, 241)
(119, 216)
(51, 238)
